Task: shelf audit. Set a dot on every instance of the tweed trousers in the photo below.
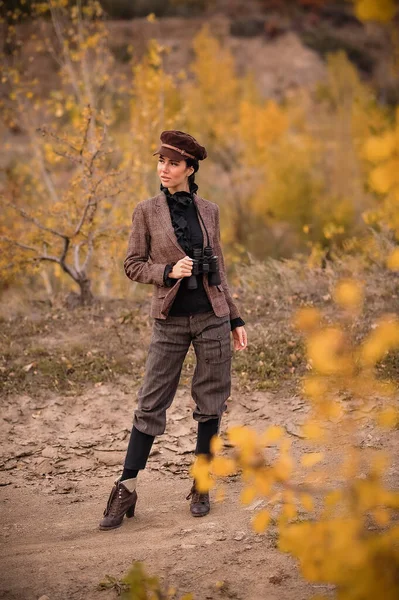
(211, 382)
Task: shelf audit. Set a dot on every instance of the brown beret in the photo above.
(178, 145)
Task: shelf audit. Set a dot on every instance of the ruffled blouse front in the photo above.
(178, 204)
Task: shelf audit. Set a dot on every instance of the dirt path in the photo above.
(54, 548)
(60, 456)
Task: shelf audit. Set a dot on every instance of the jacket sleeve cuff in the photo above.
(168, 281)
(238, 322)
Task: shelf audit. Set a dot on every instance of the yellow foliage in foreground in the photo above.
(375, 10)
(339, 522)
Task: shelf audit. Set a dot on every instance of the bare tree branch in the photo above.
(86, 132)
(40, 257)
(48, 133)
(90, 249)
(85, 66)
(67, 60)
(68, 157)
(76, 251)
(4, 238)
(65, 251)
(39, 155)
(28, 217)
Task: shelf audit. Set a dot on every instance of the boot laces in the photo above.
(197, 496)
(114, 501)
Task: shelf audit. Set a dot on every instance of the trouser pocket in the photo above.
(216, 343)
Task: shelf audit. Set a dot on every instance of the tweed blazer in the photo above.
(153, 244)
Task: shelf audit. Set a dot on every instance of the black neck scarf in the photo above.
(178, 205)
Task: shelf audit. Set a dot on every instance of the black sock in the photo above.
(138, 451)
(128, 473)
(206, 430)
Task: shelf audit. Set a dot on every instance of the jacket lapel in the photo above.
(166, 222)
(203, 209)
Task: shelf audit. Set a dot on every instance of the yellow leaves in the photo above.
(220, 494)
(307, 319)
(241, 436)
(92, 40)
(200, 470)
(379, 464)
(385, 177)
(393, 260)
(375, 10)
(314, 387)
(307, 502)
(380, 148)
(313, 431)
(292, 538)
(248, 495)
(381, 516)
(283, 467)
(388, 417)
(212, 101)
(311, 459)
(155, 51)
(370, 495)
(288, 511)
(263, 481)
(260, 125)
(151, 18)
(327, 350)
(272, 434)
(216, 444)
(248, 445)
(222, 467)
(384, 337)
(330, 230)
(261, 521)
(383, 151)
(333, 411)
(349, 294)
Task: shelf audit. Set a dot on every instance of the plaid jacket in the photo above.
(153, 244)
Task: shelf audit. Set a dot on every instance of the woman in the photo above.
(187, 308)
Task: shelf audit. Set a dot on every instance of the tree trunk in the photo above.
(86, 296)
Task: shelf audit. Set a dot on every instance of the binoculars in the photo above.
(204, 261)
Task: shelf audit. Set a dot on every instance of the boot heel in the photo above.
(130, 511)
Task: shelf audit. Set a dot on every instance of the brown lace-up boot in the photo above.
(122, 500)
(200, 504)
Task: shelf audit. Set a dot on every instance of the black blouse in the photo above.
(188, 232)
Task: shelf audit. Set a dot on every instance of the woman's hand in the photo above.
(183, 268)
(240, 338)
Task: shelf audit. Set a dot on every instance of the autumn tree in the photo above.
(69, 230)
(64, 185)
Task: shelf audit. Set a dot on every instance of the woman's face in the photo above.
(173, 173)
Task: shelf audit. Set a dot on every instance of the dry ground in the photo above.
(61, 455)
(70, 382)
(66, 452)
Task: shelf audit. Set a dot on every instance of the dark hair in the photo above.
(192, 162)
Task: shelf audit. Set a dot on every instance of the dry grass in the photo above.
(45, 347)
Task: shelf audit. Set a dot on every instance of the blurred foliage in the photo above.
(137, 584)
(349, 535)
(145, 587)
